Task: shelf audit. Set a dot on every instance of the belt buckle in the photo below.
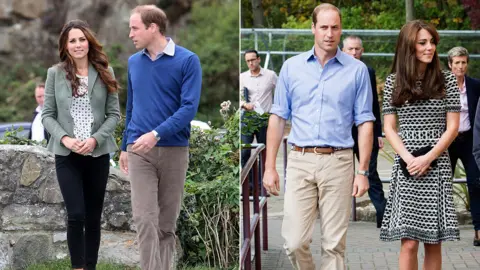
(315, 151)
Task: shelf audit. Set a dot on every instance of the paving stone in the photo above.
(366, 251)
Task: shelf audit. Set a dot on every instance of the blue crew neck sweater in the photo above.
(162, 95)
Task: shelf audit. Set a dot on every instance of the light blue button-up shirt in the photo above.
(323, 103)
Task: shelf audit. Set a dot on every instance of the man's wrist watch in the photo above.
(155, 133)
(364, 173)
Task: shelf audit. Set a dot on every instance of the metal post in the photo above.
(247, 264)
(263, 156)
(256, 210)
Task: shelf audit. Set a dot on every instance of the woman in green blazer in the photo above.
(81, 112)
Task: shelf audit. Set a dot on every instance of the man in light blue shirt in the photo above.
(324, 92)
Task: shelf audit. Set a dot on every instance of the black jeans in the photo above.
(375, 192)
(461, 148)
(261, 136)
(83, 180)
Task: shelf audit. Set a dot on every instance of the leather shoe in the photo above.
(476, 239)
(379, 223)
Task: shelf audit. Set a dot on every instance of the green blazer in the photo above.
(58, 121)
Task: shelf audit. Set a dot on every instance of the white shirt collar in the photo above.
(168, 50)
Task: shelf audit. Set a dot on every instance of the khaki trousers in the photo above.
(157, 181)
(317, 184)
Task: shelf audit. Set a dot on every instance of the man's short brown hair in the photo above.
(323, 7)
(152, 14)
(39, 85)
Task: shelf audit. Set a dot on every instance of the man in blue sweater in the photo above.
(164, 83)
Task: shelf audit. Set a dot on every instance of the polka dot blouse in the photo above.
(81, 111)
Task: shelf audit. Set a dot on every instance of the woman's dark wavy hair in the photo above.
(96, 57)
(405, 65)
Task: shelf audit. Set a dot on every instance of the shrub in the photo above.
(209, 220)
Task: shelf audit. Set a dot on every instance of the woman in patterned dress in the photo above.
(81, 112)
(425, 101)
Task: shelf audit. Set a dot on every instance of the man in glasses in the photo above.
(257, 85)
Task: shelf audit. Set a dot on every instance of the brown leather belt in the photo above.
(317, 150)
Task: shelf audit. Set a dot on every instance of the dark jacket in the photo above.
(473, 94)
(45, 133)
(377, 125)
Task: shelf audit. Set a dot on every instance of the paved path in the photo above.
(366, 251)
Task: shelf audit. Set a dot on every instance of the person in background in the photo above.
(37, 131)
(258, 85)
(353, 46)
(463, 147)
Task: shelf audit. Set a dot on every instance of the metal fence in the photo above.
(252, 172)
(264, 36)
(279, 44)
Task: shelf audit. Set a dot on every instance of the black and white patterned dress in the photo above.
(422, 209)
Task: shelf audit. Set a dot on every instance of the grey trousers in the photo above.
(157, 181)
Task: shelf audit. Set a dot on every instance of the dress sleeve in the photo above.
(452, 97)
(388, 108)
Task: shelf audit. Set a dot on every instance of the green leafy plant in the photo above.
(208, 222)
(11, 136)
(252, 121)
(461, 190)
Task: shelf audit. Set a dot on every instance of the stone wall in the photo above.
(33, 217)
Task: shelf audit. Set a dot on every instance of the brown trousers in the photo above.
(157, 182)
(317, 184)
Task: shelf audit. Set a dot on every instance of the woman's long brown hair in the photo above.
(96, 57)
(405, 65)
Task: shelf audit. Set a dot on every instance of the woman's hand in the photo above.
(72, 144)
(419, 166)
(88, 146)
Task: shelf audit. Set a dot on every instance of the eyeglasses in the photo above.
(251, 60)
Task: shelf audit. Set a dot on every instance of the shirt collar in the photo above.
(339, 56)
(38, 109)
(262, 72)
(168, 50)
(463, 88)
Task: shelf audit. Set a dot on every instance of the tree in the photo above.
(257, 13)
(212, 33)
(409, 10)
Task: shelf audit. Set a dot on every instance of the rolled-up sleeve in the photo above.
(362, 110)
(282, 101)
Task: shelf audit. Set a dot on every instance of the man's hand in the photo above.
(380, 142)
(360, 185)
(248, 106)
(145, 143)
(88, 146)
(419, 165)
(123, 160)
(271, 181)
(72, 144)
